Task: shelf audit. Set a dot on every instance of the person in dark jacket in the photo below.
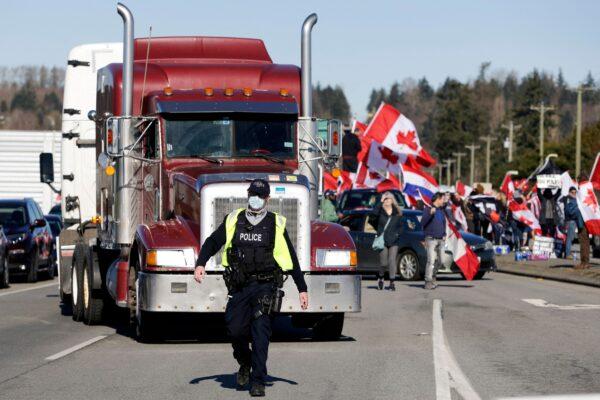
(584, 236)
(572, 218)
(385, 218)
(434, 227)
(549, 216)
(350, 148)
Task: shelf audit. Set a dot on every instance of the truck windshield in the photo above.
(234, 135)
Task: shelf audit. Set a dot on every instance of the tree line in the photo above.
(31, 97)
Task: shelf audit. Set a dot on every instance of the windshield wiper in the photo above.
(206, 158)
(270, 158)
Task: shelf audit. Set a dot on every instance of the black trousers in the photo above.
(243, 328)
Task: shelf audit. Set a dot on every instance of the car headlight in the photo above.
(176, 258)
(18, 237)
(332, 258)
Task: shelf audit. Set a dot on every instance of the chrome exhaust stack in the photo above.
(307, 125)
(124, 190)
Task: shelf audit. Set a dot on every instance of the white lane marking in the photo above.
(544, 304)
(75, 348)
(447, 371)
(28, 289)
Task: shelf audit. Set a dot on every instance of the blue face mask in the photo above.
(256, 203)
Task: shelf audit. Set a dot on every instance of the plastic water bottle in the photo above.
(574, 256)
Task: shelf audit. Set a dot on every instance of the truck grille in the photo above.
(285, 207)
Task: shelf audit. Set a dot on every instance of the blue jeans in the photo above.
(571, 225)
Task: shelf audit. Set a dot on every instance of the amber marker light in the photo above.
(335, 173)
(110, 170)
(284, 92)
(209, 91)
(229, 91)
(353, 259)
(96, 219)
(151, 258)
(168, 91)
(247, 92)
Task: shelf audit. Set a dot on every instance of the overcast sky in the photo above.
(357, 44)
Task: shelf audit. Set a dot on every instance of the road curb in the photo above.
(567, 276)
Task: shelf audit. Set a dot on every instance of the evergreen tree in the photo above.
(24, 99)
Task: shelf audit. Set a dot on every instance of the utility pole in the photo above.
(472, 148)
(448, 162)
(440, 167)
(488, 139)
(542, 110)
(458, 170)
(511, 139)
(579, 123)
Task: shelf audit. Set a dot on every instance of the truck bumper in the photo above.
(181, 293)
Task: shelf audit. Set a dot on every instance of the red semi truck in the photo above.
(182, 125)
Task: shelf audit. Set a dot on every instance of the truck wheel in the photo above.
(92, 304)
(77, 284)
(408, 266)
(140, 321)
(32, 274)
(4, 281)
(329, 327)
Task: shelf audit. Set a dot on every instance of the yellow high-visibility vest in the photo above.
(281, 253)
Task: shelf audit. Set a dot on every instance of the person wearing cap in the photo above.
(257, 242)
(328, 212)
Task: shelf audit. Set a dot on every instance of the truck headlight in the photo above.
(332, 258)
(176, 258)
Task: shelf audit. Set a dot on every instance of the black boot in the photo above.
(243, 376)
(392, 287)
(258, 390)
(380, 284)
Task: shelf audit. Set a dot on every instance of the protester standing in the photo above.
(385, 218)
(572, 218)
(549, 217)
(350, 148)
(434, 227)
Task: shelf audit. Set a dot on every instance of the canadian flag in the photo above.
(329, 182)
(595, 175)
(463, 190)
(459, 217)
(462, 254)
(382, 159)
(508, 187)
(588, 206)
(358, 126)
(393, 130)
(523, 214)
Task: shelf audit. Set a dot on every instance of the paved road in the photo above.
(502, 347)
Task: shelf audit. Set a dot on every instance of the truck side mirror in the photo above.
(111, 136)
(334, 138)
(46, 168)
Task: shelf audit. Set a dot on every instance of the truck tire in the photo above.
(408, 266)
(141, 323)
(4, 282)
(32, 272)
(77, 283)
(93, 303)
(329, 327)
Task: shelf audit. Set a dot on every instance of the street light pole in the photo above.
(448, 162)
(488, 139)
(458, 170)
(542, 109)
(472, 148)
(511, 143)
(440, 167)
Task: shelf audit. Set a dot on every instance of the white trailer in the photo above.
(19, 166)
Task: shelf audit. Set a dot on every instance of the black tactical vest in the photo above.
(253, 244)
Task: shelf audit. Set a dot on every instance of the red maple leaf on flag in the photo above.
(590, 201)
(374, 175)
(388, 154)
(409, 139)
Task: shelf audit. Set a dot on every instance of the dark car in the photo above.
(3, 259)
(30, 238)
(55, 225)
(55, 210)
(363, 199)
(412, 256)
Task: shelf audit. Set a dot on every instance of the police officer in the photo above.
(256, 248)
